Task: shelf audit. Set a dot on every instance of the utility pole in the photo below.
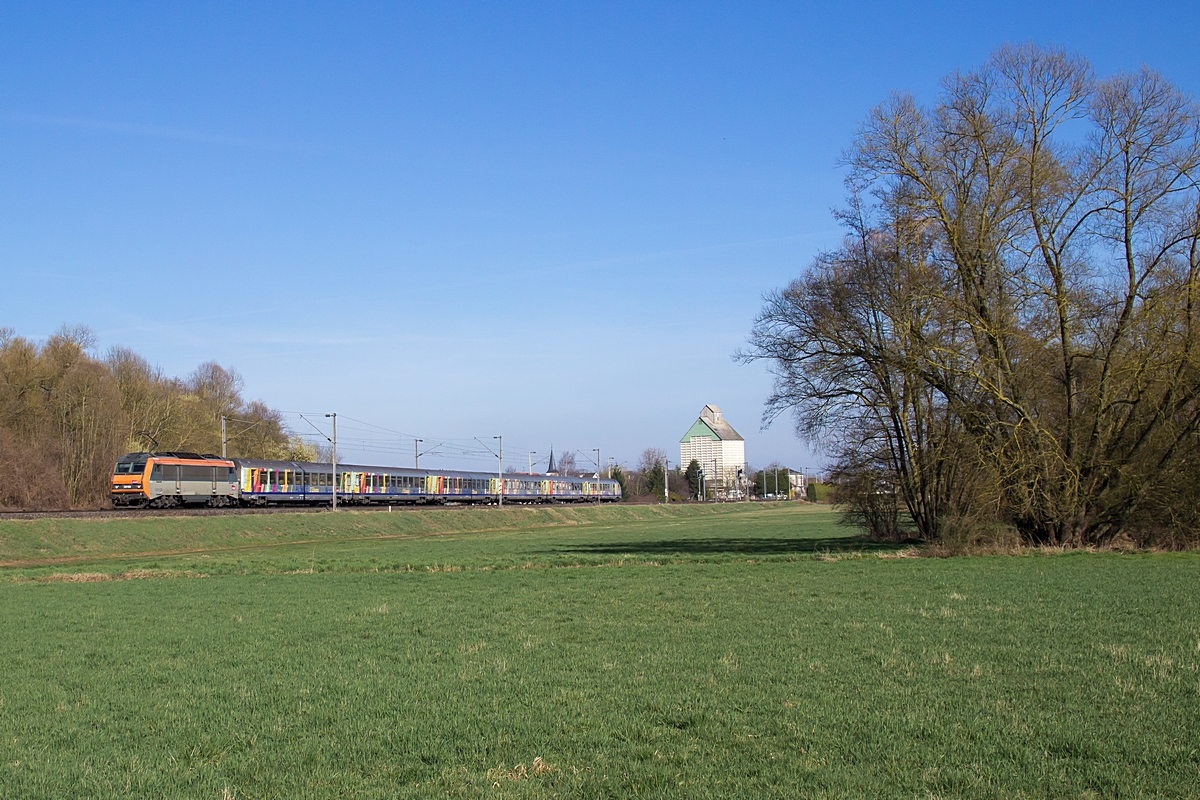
(335, 472)
(597, 449)
(666, 481)
(224, 441)
(416, 455)
(532, 453)
(500, 467)
(777, 483)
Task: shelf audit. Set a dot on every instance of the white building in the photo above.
(717, 447)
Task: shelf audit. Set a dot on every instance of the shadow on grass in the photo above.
(742, 546)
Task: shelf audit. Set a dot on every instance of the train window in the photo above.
(194, 473)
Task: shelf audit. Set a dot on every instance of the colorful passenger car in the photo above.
(290, 482)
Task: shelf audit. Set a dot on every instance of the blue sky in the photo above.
(549, 221)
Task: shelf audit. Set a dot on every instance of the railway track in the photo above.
(135, 513)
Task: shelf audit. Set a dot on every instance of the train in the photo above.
(175, 479)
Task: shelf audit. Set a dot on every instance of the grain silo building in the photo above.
(717, 447)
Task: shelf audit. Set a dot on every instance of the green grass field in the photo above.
(689, 652)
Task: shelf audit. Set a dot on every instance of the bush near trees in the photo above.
(1010, 332)
(66, 416)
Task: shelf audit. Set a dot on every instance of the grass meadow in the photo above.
(703, 651)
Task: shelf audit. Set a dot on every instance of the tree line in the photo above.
(1009, 334)
(67, 415)
(645, 480)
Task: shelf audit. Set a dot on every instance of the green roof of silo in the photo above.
(700, 428)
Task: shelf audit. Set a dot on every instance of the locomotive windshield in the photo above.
(130, 467)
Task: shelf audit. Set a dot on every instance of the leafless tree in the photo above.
(1015, 306)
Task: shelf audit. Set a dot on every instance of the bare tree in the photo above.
(1016, 306)
(566, 463)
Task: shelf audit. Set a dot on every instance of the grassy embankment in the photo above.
(462, 537)
(692, 653)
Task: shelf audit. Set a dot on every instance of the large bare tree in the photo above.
(1016, 304)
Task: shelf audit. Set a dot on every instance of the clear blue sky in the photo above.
(549, 221)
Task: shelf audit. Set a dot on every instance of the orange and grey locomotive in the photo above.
(167, 480)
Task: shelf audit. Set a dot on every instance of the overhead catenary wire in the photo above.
(370, 441)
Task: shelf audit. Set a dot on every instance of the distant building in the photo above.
(718, 448)
(799, 483)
